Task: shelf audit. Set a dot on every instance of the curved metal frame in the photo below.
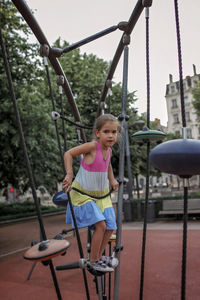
(127, 27)
(33, 24)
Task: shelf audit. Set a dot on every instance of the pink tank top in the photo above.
(100, 164)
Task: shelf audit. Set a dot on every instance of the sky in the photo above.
(75, 20)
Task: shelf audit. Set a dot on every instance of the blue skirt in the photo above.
(89, 214)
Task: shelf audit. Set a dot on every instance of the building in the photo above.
(167, 182)
(174, 124)
(173, 102)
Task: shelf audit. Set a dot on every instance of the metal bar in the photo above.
(21, 134)
(31, 270)
(145, 224)
(147, 66)
(121, 173)
(131, 24)
(33, 24)
(31, 21)
(53, 273)
(109, 275)
(70, 266)
(184, 246)
(180, 63)
(79, 246)
(63, 125)
(89, 39)
(99, 287)
(147, 162)
(30, 174)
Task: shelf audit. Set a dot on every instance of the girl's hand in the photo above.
(114, 184)
(67, 182)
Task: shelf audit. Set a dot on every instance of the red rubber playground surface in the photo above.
(162, 277)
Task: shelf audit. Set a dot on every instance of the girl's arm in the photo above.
(87, 148)
(113, 182)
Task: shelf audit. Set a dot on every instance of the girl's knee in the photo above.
(100, 226)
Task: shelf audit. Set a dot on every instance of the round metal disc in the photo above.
(180, 157)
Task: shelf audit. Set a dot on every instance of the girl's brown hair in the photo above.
(100, 121)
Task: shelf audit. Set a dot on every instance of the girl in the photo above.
(94, 178)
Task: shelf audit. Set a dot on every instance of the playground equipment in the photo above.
(158, 156)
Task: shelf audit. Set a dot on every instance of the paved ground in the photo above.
(162, 277)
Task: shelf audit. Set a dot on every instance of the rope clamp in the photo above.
(147, 3)
(126, 39)
(122, 117)
(44, 50)
(60, 80)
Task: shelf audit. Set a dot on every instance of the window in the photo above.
(177, 132)
(174, 103)
(186, 100)
(173, 89)
(189, 133)
(176, 119)
(187, 115)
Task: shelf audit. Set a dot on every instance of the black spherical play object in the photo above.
(180, 157)
(61, 199)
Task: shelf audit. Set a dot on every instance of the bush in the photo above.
(25, 209)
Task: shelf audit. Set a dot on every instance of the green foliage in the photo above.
(86, 75)
(22, 210)
(172, 136)
(33, 107)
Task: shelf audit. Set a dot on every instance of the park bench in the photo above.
(175, 207)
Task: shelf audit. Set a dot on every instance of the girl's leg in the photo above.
(97, 239)
(105, 240)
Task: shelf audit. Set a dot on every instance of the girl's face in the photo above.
(107, 135)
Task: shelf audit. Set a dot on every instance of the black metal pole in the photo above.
(147, 158)
(144, 224)
(180, 63)
(64, 173)
(79, 246)
(60, 82)
(29, 17)
(185, 215)
(121, 173)
(128, 160)
(131, 24)
(184, 247)
(21, 134)
(89, 39)
(30, 175)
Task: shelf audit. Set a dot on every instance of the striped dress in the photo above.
(93, 180)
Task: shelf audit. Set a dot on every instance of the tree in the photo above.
(86, 74)
(27, 80)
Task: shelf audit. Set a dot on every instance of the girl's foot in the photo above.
(110, 261)
(101, 266)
